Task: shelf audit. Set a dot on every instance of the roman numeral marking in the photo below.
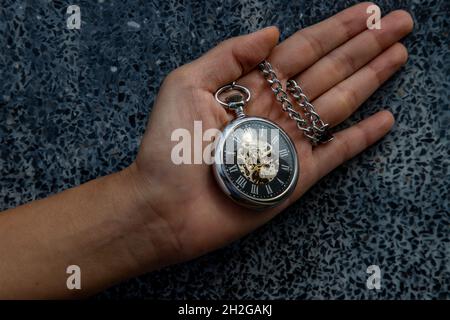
(255, 189)
(268, 189)
(237, 139)
(280, 181)
(275, 139)
(241, 181)
(283, 153)
(284, 167)
(233, 168)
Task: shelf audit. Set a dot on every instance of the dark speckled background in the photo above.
(74, 104)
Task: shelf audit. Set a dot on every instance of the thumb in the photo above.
(233, 58)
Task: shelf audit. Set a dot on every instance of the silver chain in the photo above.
(313, 127)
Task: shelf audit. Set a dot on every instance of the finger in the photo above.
(232, 58)
(354, 54)
(308, 45)
(338, 103)
(349, 142)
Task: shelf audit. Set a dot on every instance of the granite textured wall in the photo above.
(74, 105)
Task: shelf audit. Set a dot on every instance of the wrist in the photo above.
(105, 227)
(150, 240)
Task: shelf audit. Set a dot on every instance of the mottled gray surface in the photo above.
(74, 104)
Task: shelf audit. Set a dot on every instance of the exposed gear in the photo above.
(256, 159)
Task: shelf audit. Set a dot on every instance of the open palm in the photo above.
(339, 63)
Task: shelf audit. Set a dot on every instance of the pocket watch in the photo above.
(255, 161)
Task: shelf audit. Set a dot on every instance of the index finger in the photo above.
(308, 45)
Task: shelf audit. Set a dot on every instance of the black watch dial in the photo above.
(259, 159)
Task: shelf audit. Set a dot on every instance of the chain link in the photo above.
(312, 127)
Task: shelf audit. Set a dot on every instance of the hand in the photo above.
(338, 62)
(155, 213)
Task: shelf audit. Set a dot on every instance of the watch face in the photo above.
(259, 160)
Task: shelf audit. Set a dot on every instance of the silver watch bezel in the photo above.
(227, 185)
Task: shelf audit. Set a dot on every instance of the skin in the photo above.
(156, 213)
